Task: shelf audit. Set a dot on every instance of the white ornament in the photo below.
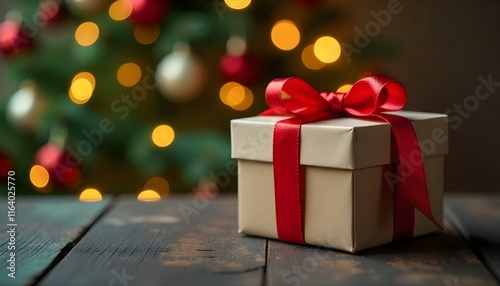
(25, 107)
(180, 75)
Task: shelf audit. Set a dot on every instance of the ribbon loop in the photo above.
(367, 97)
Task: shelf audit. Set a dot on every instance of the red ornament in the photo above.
(51, 11)
(148, 12)
(5, 165)
(13, 39)
(241, 69)
(53, 159)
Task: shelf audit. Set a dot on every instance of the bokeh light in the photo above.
(158, 185)
(146, 35)
(120, 10)
(129, 74)
(236, 96)
(82, 87)
(90, 195)
(345, 88)
(39, 176)
(310, 60)
(224, 91)
(285, 35)
(246, 102)
(163, 135)
(85, 75)
(80, 91)
(327, 49)
(86, 34)
(238, 4)
(149, 196)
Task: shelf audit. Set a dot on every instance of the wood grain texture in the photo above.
(45, 225)
(140, 243)
(439, 259)
(477, 219)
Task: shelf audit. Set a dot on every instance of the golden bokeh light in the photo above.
(90, 195)
(39, 176)
(235, 95)
(129, 74)
(238, 4)
(310, 60)
(148, 196)
(246, 102)
(163, 135)
(345, 88)
(159, 185)
(146, 35)
(120, 10)
(327, 49)
(86, 75)
(86, 34)
(224, 91)
(81, 90)
(285, 35)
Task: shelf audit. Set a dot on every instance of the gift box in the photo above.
(351, 174)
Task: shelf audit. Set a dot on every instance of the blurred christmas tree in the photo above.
(137, 94)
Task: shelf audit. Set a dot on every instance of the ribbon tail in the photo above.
(289, 178)
(411, 184)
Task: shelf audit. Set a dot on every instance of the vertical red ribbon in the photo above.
(289, 191)
(367, 97)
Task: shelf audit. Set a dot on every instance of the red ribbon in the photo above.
(368, 97)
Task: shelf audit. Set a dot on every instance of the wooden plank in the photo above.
(477, 218)
(45, 225)
(140, 243)
(440, 259)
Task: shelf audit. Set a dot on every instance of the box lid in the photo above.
(345, 143)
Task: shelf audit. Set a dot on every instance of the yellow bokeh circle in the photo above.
(310, 60)
(146, 35)
(149, 196)
(86, 34)
(238, 4)
(236, 96)
(90, 195)
(285, 35)
(246, 102)
(129, 74)
(120, 10)
(82, 87)
(39, 176)
(163, 135)
(327, 49)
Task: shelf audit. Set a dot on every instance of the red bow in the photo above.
(367, 97)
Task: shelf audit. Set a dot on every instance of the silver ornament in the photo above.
(25, 107)
(180, 75)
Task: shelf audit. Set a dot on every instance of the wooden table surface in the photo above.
(181, 241)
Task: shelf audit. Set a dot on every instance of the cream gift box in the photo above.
(348, 206)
